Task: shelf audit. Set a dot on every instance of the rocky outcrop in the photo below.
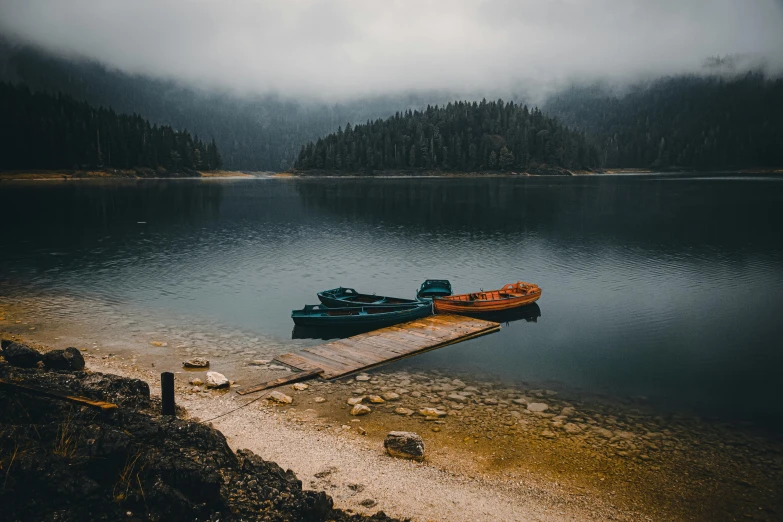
(67, 462)
(404, 444)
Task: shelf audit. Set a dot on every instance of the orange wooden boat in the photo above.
(510, 296)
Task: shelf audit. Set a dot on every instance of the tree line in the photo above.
(684, 121)
(45, 131)
(460, 136)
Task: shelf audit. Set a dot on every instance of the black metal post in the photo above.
(167, 392)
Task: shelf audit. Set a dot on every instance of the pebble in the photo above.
(490, 401)
(548, 434)
(537, 406)
(457, 397)
(359, 391)
(390, 396)
(416, 394)
(280, 398)
(319, 399)
(360, 409)
(362, 377)
(300, 386)
(403, 411)
(196, 381)
(277, 367)
(572, 428)
(375, 399)
(353, 401)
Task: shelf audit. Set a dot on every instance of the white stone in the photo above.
(300, 386)
(363, 377)
(537, 406)
(217, 380)
(353, 401)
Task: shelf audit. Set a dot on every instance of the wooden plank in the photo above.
(101, 405)
(333, 354)
(371, 349)
(299, 376)
(292, 359)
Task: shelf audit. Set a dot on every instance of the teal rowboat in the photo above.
(360, 316)
(345, 297)
(434, 288)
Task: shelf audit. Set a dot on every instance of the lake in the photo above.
(666, 288)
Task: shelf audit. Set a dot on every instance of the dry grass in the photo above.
(66, 440)
(129, 479)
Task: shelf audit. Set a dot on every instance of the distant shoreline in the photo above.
(69, 174)
(75, 175)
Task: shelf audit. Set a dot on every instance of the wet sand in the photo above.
(490, 457)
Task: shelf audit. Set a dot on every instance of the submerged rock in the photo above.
(363, 377)
(360, 409)
(353, 401)
(537, 406)
(196, 362)
(68, 359)
(432, 412)
(390, 396)
(404, 444)
(217, 380)
(21, 355)
(375, 399)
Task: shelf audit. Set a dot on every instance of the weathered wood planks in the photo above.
(360, 352)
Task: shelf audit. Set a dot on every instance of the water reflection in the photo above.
(659, 287)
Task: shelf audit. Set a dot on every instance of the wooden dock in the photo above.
(367, 350)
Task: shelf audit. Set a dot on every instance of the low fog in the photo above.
(334, 49)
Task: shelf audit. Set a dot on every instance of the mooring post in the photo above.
(167, 392)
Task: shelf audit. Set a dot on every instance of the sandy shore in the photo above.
(490, 457)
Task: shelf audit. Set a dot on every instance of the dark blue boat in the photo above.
(434, 288)
(370, 316)
(345, 297)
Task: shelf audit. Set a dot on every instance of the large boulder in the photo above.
(404, 444)
(21, 355)
(68, 359)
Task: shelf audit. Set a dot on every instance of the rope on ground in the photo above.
(263, 395)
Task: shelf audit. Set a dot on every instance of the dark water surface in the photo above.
(669, 287)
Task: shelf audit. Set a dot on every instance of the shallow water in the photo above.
(668, 287)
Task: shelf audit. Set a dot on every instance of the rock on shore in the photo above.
(404, 444)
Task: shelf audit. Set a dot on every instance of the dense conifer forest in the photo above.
(43, 131)
(461, 136)
(686, 121)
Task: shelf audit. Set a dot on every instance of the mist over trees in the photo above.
(461, 136)
(42, 131)
(686, 121)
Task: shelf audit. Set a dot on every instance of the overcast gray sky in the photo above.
(343, 48)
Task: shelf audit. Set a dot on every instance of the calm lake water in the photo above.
(669, 287)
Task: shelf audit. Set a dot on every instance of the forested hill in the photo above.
(43, 131)
(461, 136)
(686, 121)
